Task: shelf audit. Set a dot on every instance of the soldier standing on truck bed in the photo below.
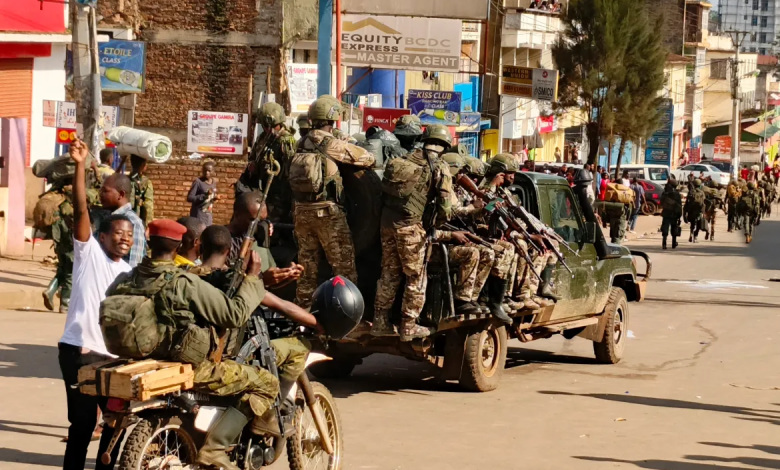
(408, 130)
(318, 212)
(416, 190)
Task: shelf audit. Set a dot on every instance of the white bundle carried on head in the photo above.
(145, 144)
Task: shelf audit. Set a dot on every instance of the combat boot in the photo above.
(50, 292)
(219, 439)
(706, 236)
(663, 244)
(463, 307)
(545, 289)
(382, 326)
(496, 290)
(64, 303)
(530, 304)
(675, 244)
(410, 330)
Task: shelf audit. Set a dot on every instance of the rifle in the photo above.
(237, 268)
(466, 183)
(532, 221)
(479, 241)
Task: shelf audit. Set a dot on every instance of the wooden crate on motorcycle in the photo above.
(130, 380)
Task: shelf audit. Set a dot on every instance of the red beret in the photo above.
(166, 229)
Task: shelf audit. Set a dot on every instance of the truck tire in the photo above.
(484, 357)
(613, 344)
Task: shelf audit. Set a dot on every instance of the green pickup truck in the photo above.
(594, 299)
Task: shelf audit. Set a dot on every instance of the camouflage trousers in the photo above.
(709, 218)
(63, 248)
(749, 220)
(487, 258)
(518, 273)
(324, 228)
(403, 252)
(291, 354)
(734, 219)
(541, 261)
(505, 255)
(256, 387)
(466, 258)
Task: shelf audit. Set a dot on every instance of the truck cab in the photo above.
(592, 300)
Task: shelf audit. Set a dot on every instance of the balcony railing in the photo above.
(553, 7)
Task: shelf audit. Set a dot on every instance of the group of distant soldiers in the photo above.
(744, 202)
(54, 211)
(422, 203)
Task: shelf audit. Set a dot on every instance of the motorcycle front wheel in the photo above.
(304, 449)
(158, 443)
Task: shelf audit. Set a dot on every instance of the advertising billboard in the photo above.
(394, 42)
(216, 132)
(435, 107)
(302, 79)
(382, 117)
(658, 149)
(525, 82)
(122, 66)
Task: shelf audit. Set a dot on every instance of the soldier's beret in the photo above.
(165, 228)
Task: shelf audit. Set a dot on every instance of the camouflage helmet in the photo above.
(325, 108)
(303, 121)
(462, 150)
(751, 185)
(475, 166)
(438, 132)
(270, 115)
(672, 182)
(697, 183)
(454, 160)
(408, 125)
(502, 163)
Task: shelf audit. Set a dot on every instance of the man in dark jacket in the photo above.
(671, 203)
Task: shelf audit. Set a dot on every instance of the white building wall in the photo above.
(48, 84)
(738, 15)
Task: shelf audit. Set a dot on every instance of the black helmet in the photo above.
(583, 177)
(338, 305)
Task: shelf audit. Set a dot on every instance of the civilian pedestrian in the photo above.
(114, 197)
(97, 262)
(188, 253)
(203, 194)
(558, 155)
(603, 185)
(639, 202)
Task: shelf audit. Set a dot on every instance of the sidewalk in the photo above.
(23, 279)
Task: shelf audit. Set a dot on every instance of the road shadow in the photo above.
(762, 448)
(519, 357)
(384, 374)
(750, 413)
(662, 464)
(43, 277)
(29, 361)
(22, 282)
(14, 426)
(709, 302)
(33, 458)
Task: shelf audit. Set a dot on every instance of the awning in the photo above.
(762, 129)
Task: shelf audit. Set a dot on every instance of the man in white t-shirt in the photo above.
(97, 262)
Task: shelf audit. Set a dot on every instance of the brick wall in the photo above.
(173, 179)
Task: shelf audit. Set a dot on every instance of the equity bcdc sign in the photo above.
(391, 42)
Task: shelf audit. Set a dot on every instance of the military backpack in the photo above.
(139, 322)
(406, 183)
(308, 175)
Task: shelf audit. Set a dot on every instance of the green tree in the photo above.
(638, 114)
(598, 57)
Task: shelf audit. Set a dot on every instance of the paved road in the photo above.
(692, 394)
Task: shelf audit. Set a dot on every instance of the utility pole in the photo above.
(86, 76)
(736, 131)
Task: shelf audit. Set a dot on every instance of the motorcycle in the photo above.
(169, 429)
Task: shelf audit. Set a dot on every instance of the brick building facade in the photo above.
(213, 55)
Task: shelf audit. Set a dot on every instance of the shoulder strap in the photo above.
(322, 152)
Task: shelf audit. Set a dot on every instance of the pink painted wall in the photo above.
(13, 145)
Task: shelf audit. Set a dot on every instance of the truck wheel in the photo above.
(649, 208)
(612, 345)
(336, 368)
(483, 359)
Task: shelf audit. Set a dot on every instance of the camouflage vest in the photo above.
(406, 184)
(138, 321)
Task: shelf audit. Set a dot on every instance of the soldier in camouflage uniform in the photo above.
(408, 129)
(733, 194)
(206, 307)
(748, 208)
(417, 189)
(274, 144)
(142, 195)
(304, 126)
(694, 208)
(711, 205)
(319, 216)
(671, 204)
